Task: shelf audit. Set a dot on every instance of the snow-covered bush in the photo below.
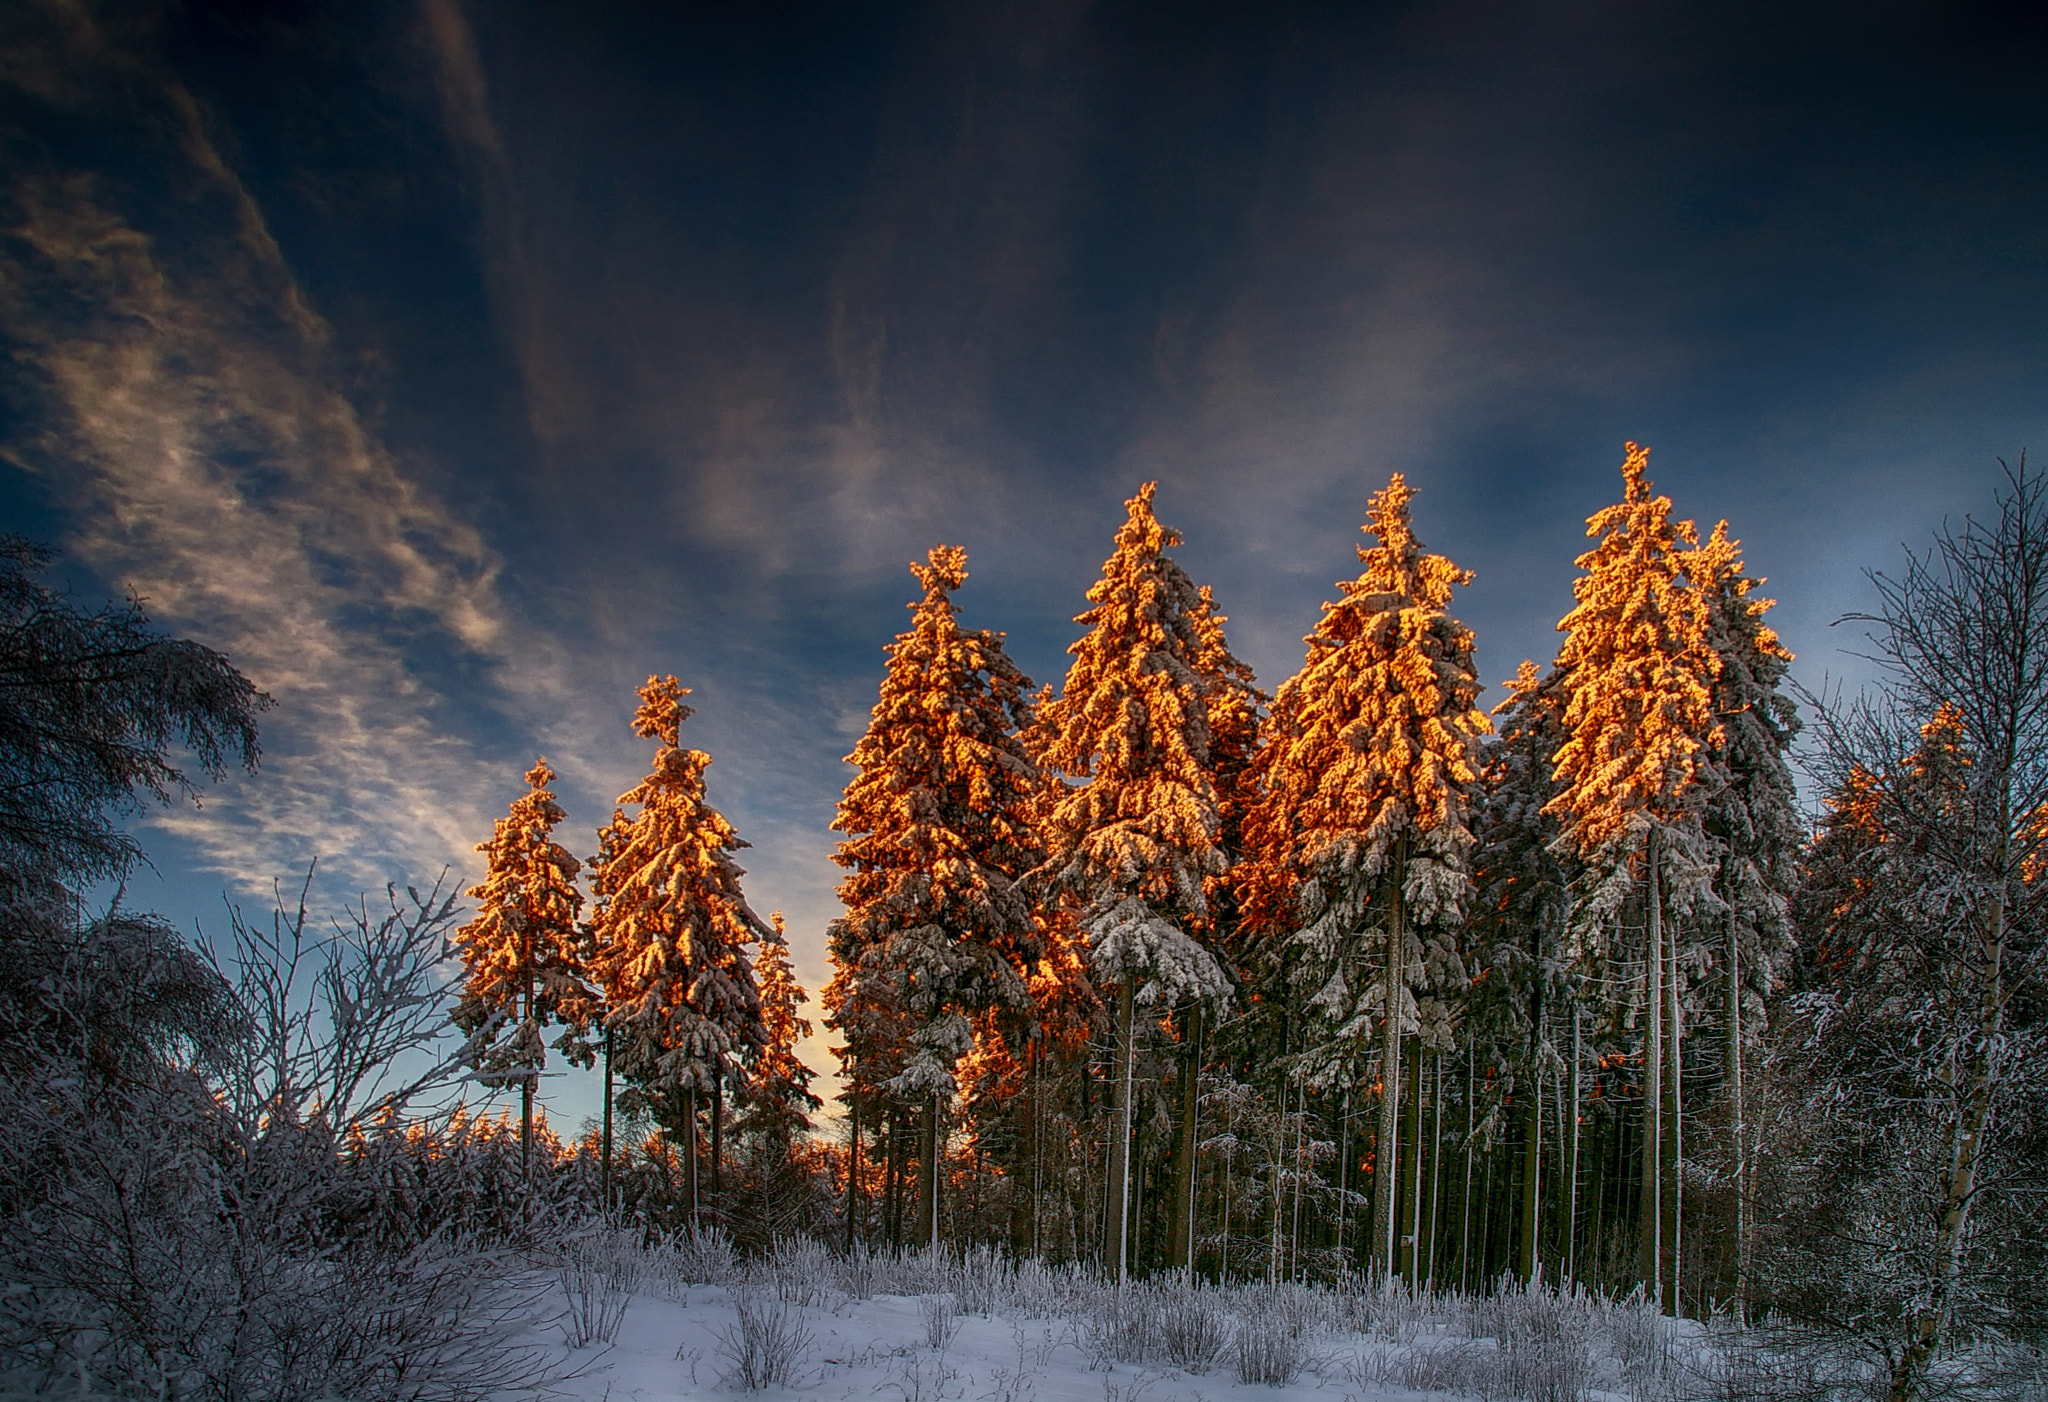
(982, 1280)
(768, 1344)
(1192, 1327)
(941, 1315)
(1117, 1325)
(860, 1272)
(189, 1224)
(798, 1270)
(1267, 1348)
(599, 1272)
(702, 1255)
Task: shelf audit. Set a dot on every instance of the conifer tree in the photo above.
(671, 931)
(1236, 711)
(1639, 728)
(1753, 823)
(1523, 932)
(937, 828)
(1132, 844)
(522, 954)
(1367, 778)
(778, 1100)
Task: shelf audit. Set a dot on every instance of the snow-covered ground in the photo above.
(1051, 1336)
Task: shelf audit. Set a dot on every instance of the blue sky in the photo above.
(453, 367)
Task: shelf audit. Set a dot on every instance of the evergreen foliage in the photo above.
(522, 954)
(671, 927)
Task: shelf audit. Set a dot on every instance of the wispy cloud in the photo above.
(186, 406)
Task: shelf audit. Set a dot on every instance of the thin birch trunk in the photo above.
(604, 1174)
(1571, 1244)
(1677, 1031)
(1909, 1373)
(1116, 1247)
(1386, 1159)
(1735, 1111)
(1650, 1253)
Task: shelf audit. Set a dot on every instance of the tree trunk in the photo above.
(1909, 1374)
(1436, 1166)
(1116, 1245)
(1531, 1117)
(1571, 1240)
(690, 1151)
(852, 1169)
(928, 1189)
(1650, 1253)
(604, 1172)
(1465, 1206)
(1676, 1015)
(1386, 1179)
(718, 1144)
(1735, 1108)
(1414, 1111)
(1184, 1150)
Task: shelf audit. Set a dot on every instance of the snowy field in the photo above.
(981, 1329)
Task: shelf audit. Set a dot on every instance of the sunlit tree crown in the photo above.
(937, 826)
(1640, 671)
(779, 1091)
(672, 926)
(524, 938)
(1134, 839)
(1376, 736)
(1369, 770)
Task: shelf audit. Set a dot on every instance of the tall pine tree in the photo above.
(522, 954)
(1755, 831)
(1367, 778)
(1639, 727)
(938, 829)
(1132, 845)
(1523, 933)
(671, 931)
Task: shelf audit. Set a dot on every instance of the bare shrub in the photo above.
(800, 1271)
(982, 1280)
(1192, 1328)
(859, 1272)
(941, 1320)
(1116, 1326)
(768, 1343)
(1265, 1350)
(599, 1273)
(703, 1255)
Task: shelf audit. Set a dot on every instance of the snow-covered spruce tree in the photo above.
(1366, 778)
(937, 831)
(1522, 938)
(1928, 1010)
(778, 1194)
(1132, 844)
(670, 934)
(522, 955)
(1236, 714)
(1754, 831)
(1639, 727)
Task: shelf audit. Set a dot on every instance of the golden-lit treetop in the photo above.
(938, 827)
(1375, 738)
(520, 955)
(1134, 839)
(671, 926)
(778, 1094)
(1366, 777)
(1639, 670)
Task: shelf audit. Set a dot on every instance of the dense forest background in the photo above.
(1148, 971)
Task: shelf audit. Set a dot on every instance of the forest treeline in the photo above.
(1155, 971)
(1150, 971)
